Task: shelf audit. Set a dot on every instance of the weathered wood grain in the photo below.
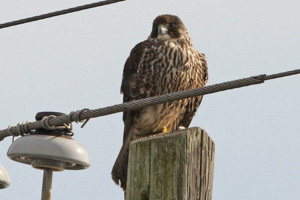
(171, 166)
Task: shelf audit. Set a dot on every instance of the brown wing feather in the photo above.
(119, 171)
(129, 78)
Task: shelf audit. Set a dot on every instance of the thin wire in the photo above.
(57, 13)
(282, 74)
(138, 104)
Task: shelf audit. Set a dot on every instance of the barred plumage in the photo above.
(164, 63)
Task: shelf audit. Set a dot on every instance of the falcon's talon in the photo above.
(165, 130)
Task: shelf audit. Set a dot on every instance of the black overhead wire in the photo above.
(57, 13)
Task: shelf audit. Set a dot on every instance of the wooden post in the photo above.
(169, 166)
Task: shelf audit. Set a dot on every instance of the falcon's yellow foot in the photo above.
(165, 130)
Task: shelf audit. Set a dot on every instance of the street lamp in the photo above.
(4, 178)
(49, 150)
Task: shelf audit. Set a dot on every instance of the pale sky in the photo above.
(75, 61)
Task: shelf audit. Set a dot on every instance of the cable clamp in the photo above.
(47, 126)
(22, 129)
(75, 116)
(67, 128)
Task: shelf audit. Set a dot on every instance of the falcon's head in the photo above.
(167, 27)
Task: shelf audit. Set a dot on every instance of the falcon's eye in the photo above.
(172, 24)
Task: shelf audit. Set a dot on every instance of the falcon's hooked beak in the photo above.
(162, 30)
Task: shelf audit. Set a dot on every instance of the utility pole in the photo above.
(178, 165)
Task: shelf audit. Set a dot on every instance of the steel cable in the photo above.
(85, 114)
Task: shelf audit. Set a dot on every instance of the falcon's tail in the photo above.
(119, 171)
